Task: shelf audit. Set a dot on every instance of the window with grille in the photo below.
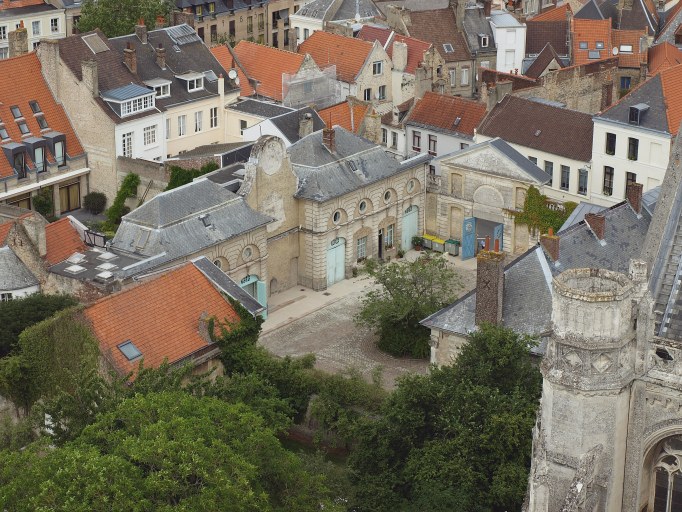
(214, 117)
(149, 135)
(362, 248)
(198, 121)
(127, 144)
(565, 177)
(582, 182)
(608, 181)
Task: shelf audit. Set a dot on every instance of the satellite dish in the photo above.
(232, 74)
(615, 50)
(236, 81)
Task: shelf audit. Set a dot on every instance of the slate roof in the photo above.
(348, 9)
(14, 275)
(342, 114)
(386, 37)
(439, 27)
(288, 124)
(497, 158)
(177, 302)
(62, 240)
(475, 23)
(663, 56)
(347, 53)
(262, 63)
(169, 226)
(317, 9)
(540, 126)
(221, 6)
(323, 175)
(193, 56)
(673, 19)
(543, 60)
(578, 214)
(539, 33)
(643, 14)
(440, 112)
(590, 32)
(26, 70)
(260, 108)
(600, 10)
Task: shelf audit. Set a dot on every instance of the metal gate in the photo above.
(468, 238)
(410, 221)
(336, 261)
(498, 234)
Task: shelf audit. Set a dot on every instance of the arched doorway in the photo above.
(410, 226)
(336, 261)
(252, 285)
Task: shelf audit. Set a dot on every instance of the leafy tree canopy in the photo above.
(119, 17)
(18, 314)
(408, 292)
(456, 439)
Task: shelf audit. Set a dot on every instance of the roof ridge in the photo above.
(254, 44)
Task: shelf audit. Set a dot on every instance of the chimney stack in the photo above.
(597, 222)
(141, 31)
(489, 284)
(130, 58)
(160, 22)
(399, 56)
(305, 125)
(487, 4)
(633, 193)
(328, 139)
(90, 76)
(18, 41)
(161, 56)
(550, 243)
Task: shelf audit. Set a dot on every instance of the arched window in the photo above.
(667, 481)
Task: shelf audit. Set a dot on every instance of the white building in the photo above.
(290, 127)
(510, 38)
(41, 21)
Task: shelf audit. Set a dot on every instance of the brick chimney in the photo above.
(550, 243)
(328, 139)
(399, 56)
(18, 41)
(633, 193)
(305, 125)
(489, 284)
(487, 5)
(160, 22)
(130, 58)
(597, 223)
(141, 31)
(90, 76)
(161, 56)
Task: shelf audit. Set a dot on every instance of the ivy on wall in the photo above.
(538, 215)
(180, 176)
(118, 208)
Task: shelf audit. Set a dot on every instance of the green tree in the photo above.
(119, 17)
(456, 439)
(18, 314)
(407, 293)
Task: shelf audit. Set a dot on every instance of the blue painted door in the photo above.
(468, 238)
(256, 288)
(498, 234)
(410, 220)
(336, 261)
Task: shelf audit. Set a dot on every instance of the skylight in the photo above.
(34, 106)
(42, 122)
(105, 275)
(106, 266)
(76, 258)
(3, 133)
(448, 48)
(74, 269)
(16, 112)
(106, 256)
(129, 350)
(457, 121)
(23, 128)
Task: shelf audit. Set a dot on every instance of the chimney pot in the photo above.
(141, 31)
(550, 243)
(597, 223)
(633, 192)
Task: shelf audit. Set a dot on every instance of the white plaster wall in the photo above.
(22, 292)
(400, 150)
(507, 42)
(445, 144)
(193, 139)
(156, 151)
(43, 18)
(300, 23)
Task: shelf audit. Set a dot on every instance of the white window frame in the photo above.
(168, 128)
(362, 248)
(453, 77)
(367, 94)
(389, 239)
(54, 25)
(149, 135)
(382, 92)
(198, 121)
(213, 114)
(39, 162)
(139, 104)
(182, 125)
(5, 297)
(3, 32)
(394, 140)
(195, 84)
(378, 67)
(464, 76)
(60, 152)
(384, 136)
(127, 144)
(162, 91)
(34, 24)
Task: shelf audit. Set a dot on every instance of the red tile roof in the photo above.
(442, 111)
(348, 53)
(415, 47)
(663, 56)
(161, 317)
(439, 26)
(4, 231)
(553, 14)
(632, 38)
(340, 114)
(263, 63)
(25, 70)
(671, 82)
(62, 240)
(590, 32)
(5, 6)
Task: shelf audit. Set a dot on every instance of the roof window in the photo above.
(23, 128)
(16, 112)
(582, 45)
(637, 112)
(129, 350)
(599, 45)
(3, 132)
(457, 121)
(626, 48)
(34, 106)
(448, 48)
(593, 54)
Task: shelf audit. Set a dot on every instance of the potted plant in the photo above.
(400, 252)
(417, 242)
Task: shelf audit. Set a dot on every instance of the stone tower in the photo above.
(580, 439)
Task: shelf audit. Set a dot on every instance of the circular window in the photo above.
(363, 206)
(218, 264)
(246, 254)
(410, 185)
(387, 196)
(336, 217)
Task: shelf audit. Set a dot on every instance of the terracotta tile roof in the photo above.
(439, 27)
(25, 70)
(348, 53)
(632, 38)
(4, 231)
(263, 63)
(62, 240)
(663, 56)
(161, 317)
(540, 126)
(544, 59)
(441, 112)
(491, 77)
(553, 14)
(403, 109)
(415, 47)
(671, 82)
(538, 34)
(590, 32)
(5, 6)
(340, 115)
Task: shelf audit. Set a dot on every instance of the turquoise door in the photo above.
(410, 221)
(336, 261)
(469, 238)
(498, 234)
(256, 288)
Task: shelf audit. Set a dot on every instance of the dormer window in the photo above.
(196, 84)
(39, 158)
(483, 40)
(137, 105)
(20, 165)
(130, 99)
(637, 112)
(162, 91)
(199, 10)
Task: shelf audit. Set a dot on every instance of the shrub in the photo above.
(43, 203)
(180, 176)
(94, 202)
(118, 209)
